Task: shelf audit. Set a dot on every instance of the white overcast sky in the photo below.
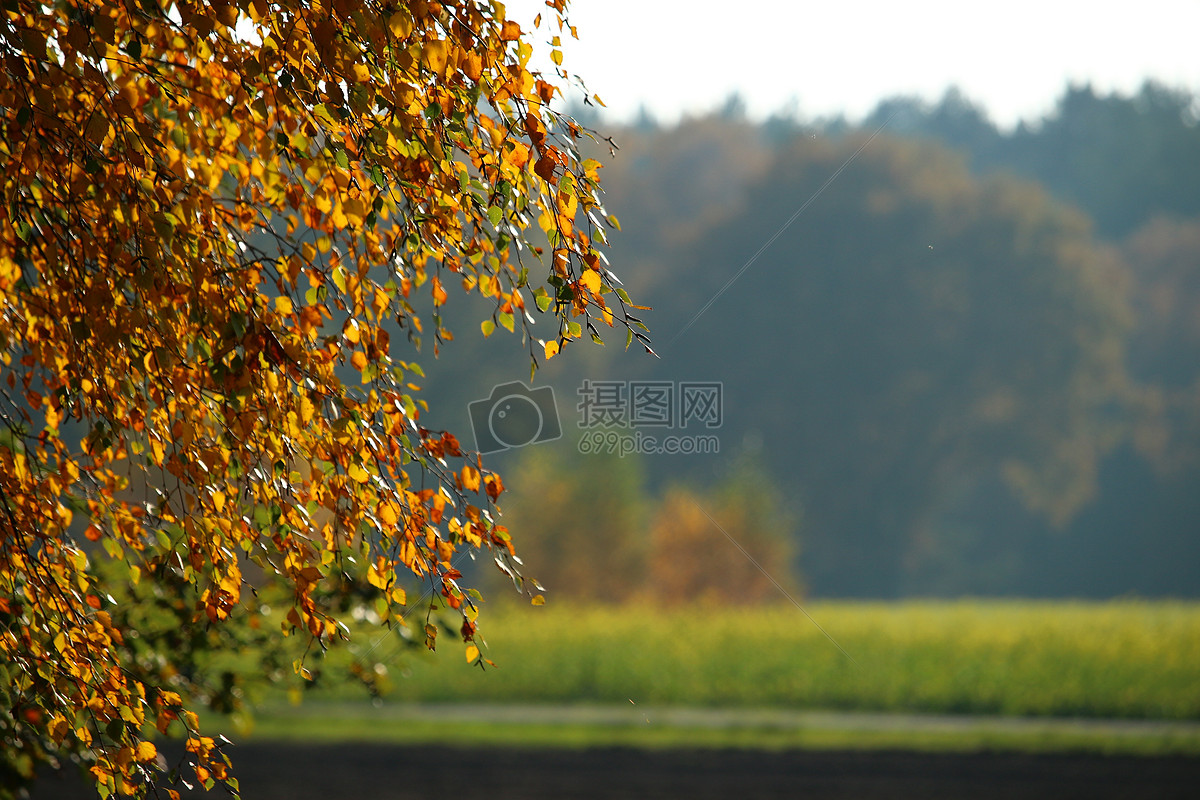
(824, 58)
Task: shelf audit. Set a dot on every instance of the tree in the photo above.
(1122, 159)
(931, 340)
(215, 215)
(701, 544)
(582, 521)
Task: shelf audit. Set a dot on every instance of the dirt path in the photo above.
(777, 719)
(381, 772)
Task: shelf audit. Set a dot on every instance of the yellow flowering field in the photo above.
(1125, 659)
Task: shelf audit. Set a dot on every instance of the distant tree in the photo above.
(704, 546)
(213, 215)
(913, 326)
(955, 120)
(1122, 159)
(582, 519)
(1164, 353)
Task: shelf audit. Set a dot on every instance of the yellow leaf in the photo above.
(433, 55)
(472, 65)
(470, 478)
(357, 473)
(146, 752)
(590, 279)
(472, 653)
(376, 577)
(551, 349)
(58, 728)
(400, 24)
(538, 600)
(359, 360)
(387, 513)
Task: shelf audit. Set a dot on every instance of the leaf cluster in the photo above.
(214, 217)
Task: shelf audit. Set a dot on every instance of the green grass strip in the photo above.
(592, 726)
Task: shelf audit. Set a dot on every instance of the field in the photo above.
(1128, 660)
(941, 700)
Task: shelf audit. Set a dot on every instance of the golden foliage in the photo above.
(709, 549)
(213, 216)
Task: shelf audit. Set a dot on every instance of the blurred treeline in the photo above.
(967, 358)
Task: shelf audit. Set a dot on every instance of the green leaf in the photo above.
(113, 548)
(342, 159)
(115, 730)
(628, 337)
(542, 298)
(487, 326)
(495, 214)
(506, 319)
(339, 278)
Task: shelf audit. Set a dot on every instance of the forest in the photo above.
(954, 360)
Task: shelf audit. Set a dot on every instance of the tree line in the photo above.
(973, 354)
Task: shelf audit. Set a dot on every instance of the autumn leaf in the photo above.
(590, 280)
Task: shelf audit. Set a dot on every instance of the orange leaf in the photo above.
(470, 478)
(545, 167)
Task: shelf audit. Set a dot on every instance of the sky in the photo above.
(677, 57)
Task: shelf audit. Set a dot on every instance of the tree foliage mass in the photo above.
(214, 216)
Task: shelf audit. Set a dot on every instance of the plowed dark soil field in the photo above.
(381, 772)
